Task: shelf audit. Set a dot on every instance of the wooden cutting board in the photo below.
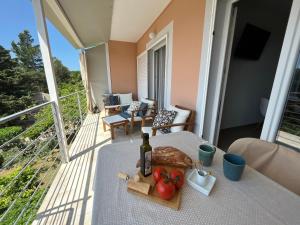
(173, 203)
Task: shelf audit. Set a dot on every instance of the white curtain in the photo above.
(85, 79)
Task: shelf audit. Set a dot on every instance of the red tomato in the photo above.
(165, 189)
(177, 177)
(158, 173)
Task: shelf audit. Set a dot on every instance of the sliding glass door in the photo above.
(289, 129)
(159, 76)
(157, 73)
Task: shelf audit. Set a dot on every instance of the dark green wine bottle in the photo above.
(146, 156)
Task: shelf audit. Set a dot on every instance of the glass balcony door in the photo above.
(289, 129)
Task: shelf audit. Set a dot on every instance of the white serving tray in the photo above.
(206, 189)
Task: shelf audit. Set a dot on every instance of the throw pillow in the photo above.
(135, 105)
(143, 108)
(114, 100)
(125, 115)
(125, 99)
(124, 108)
(106, 100)
(181, 117)
(164, 117)
(150, 106)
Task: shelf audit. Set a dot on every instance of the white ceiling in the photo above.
(131, 18)
(90, 19)
(97, 21)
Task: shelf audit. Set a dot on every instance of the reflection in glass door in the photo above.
(159, 76)
(289, 130)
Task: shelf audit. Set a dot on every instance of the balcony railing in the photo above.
(289, 132)
(30, 156)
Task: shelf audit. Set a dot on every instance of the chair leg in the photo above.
(143, 122)
(154, 132)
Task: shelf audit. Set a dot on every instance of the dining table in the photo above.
(254, 200)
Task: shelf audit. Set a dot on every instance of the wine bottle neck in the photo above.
(146, 141)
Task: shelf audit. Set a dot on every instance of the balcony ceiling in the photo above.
(90, 19)
(97, 21)
(131, 18)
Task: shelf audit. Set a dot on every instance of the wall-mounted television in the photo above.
(252, 42)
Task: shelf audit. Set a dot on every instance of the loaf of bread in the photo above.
(170, 156)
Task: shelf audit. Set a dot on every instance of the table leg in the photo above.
(104, 127)
(126, 128)
(112, 132)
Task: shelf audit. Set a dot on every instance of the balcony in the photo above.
(31, 158)
(55, 192)
(48, 169)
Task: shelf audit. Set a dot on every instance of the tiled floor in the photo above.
(70, 197)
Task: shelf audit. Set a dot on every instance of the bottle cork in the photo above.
(123, 176)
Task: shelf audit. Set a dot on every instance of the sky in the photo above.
(18, 15)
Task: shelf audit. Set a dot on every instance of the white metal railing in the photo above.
(289, 131)
(37, 159)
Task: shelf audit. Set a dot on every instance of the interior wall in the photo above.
(188, 21)
(123, 67)
(97, 72)
(250, 80)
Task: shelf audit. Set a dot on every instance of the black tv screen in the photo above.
(252, 42)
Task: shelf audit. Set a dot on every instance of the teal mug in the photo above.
(206, 154)
(233, 166)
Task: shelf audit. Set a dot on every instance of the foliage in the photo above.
(27, 54)
(8, 133)
(44, 120)
(12, 97)
(290, 128)
(61, 72)
(69, 105)
(1, 160)
(15, 192)
(20, 79)
(17, 84)
(29, 213)
(6, 62)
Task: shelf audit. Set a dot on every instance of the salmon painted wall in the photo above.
(188, 22)
(122, 57)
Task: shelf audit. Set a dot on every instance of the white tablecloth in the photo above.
(253, 200)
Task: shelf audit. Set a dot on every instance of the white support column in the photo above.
(50, 76)
(108, 67)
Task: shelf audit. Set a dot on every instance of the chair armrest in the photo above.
(154, 129)
(138, 110)
(172, 125)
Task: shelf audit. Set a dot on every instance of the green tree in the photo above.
(6, 62)
(28, 55)
(12, 83)
(62, 73)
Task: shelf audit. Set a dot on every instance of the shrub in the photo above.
(8, 133)
(11, 193)
(1, 160)
(44, 120)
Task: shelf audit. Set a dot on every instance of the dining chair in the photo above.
(275, 161)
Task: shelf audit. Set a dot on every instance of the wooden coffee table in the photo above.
(113, 122)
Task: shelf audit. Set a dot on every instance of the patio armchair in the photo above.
(177, 125)
(136, 116)
(114, 102)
